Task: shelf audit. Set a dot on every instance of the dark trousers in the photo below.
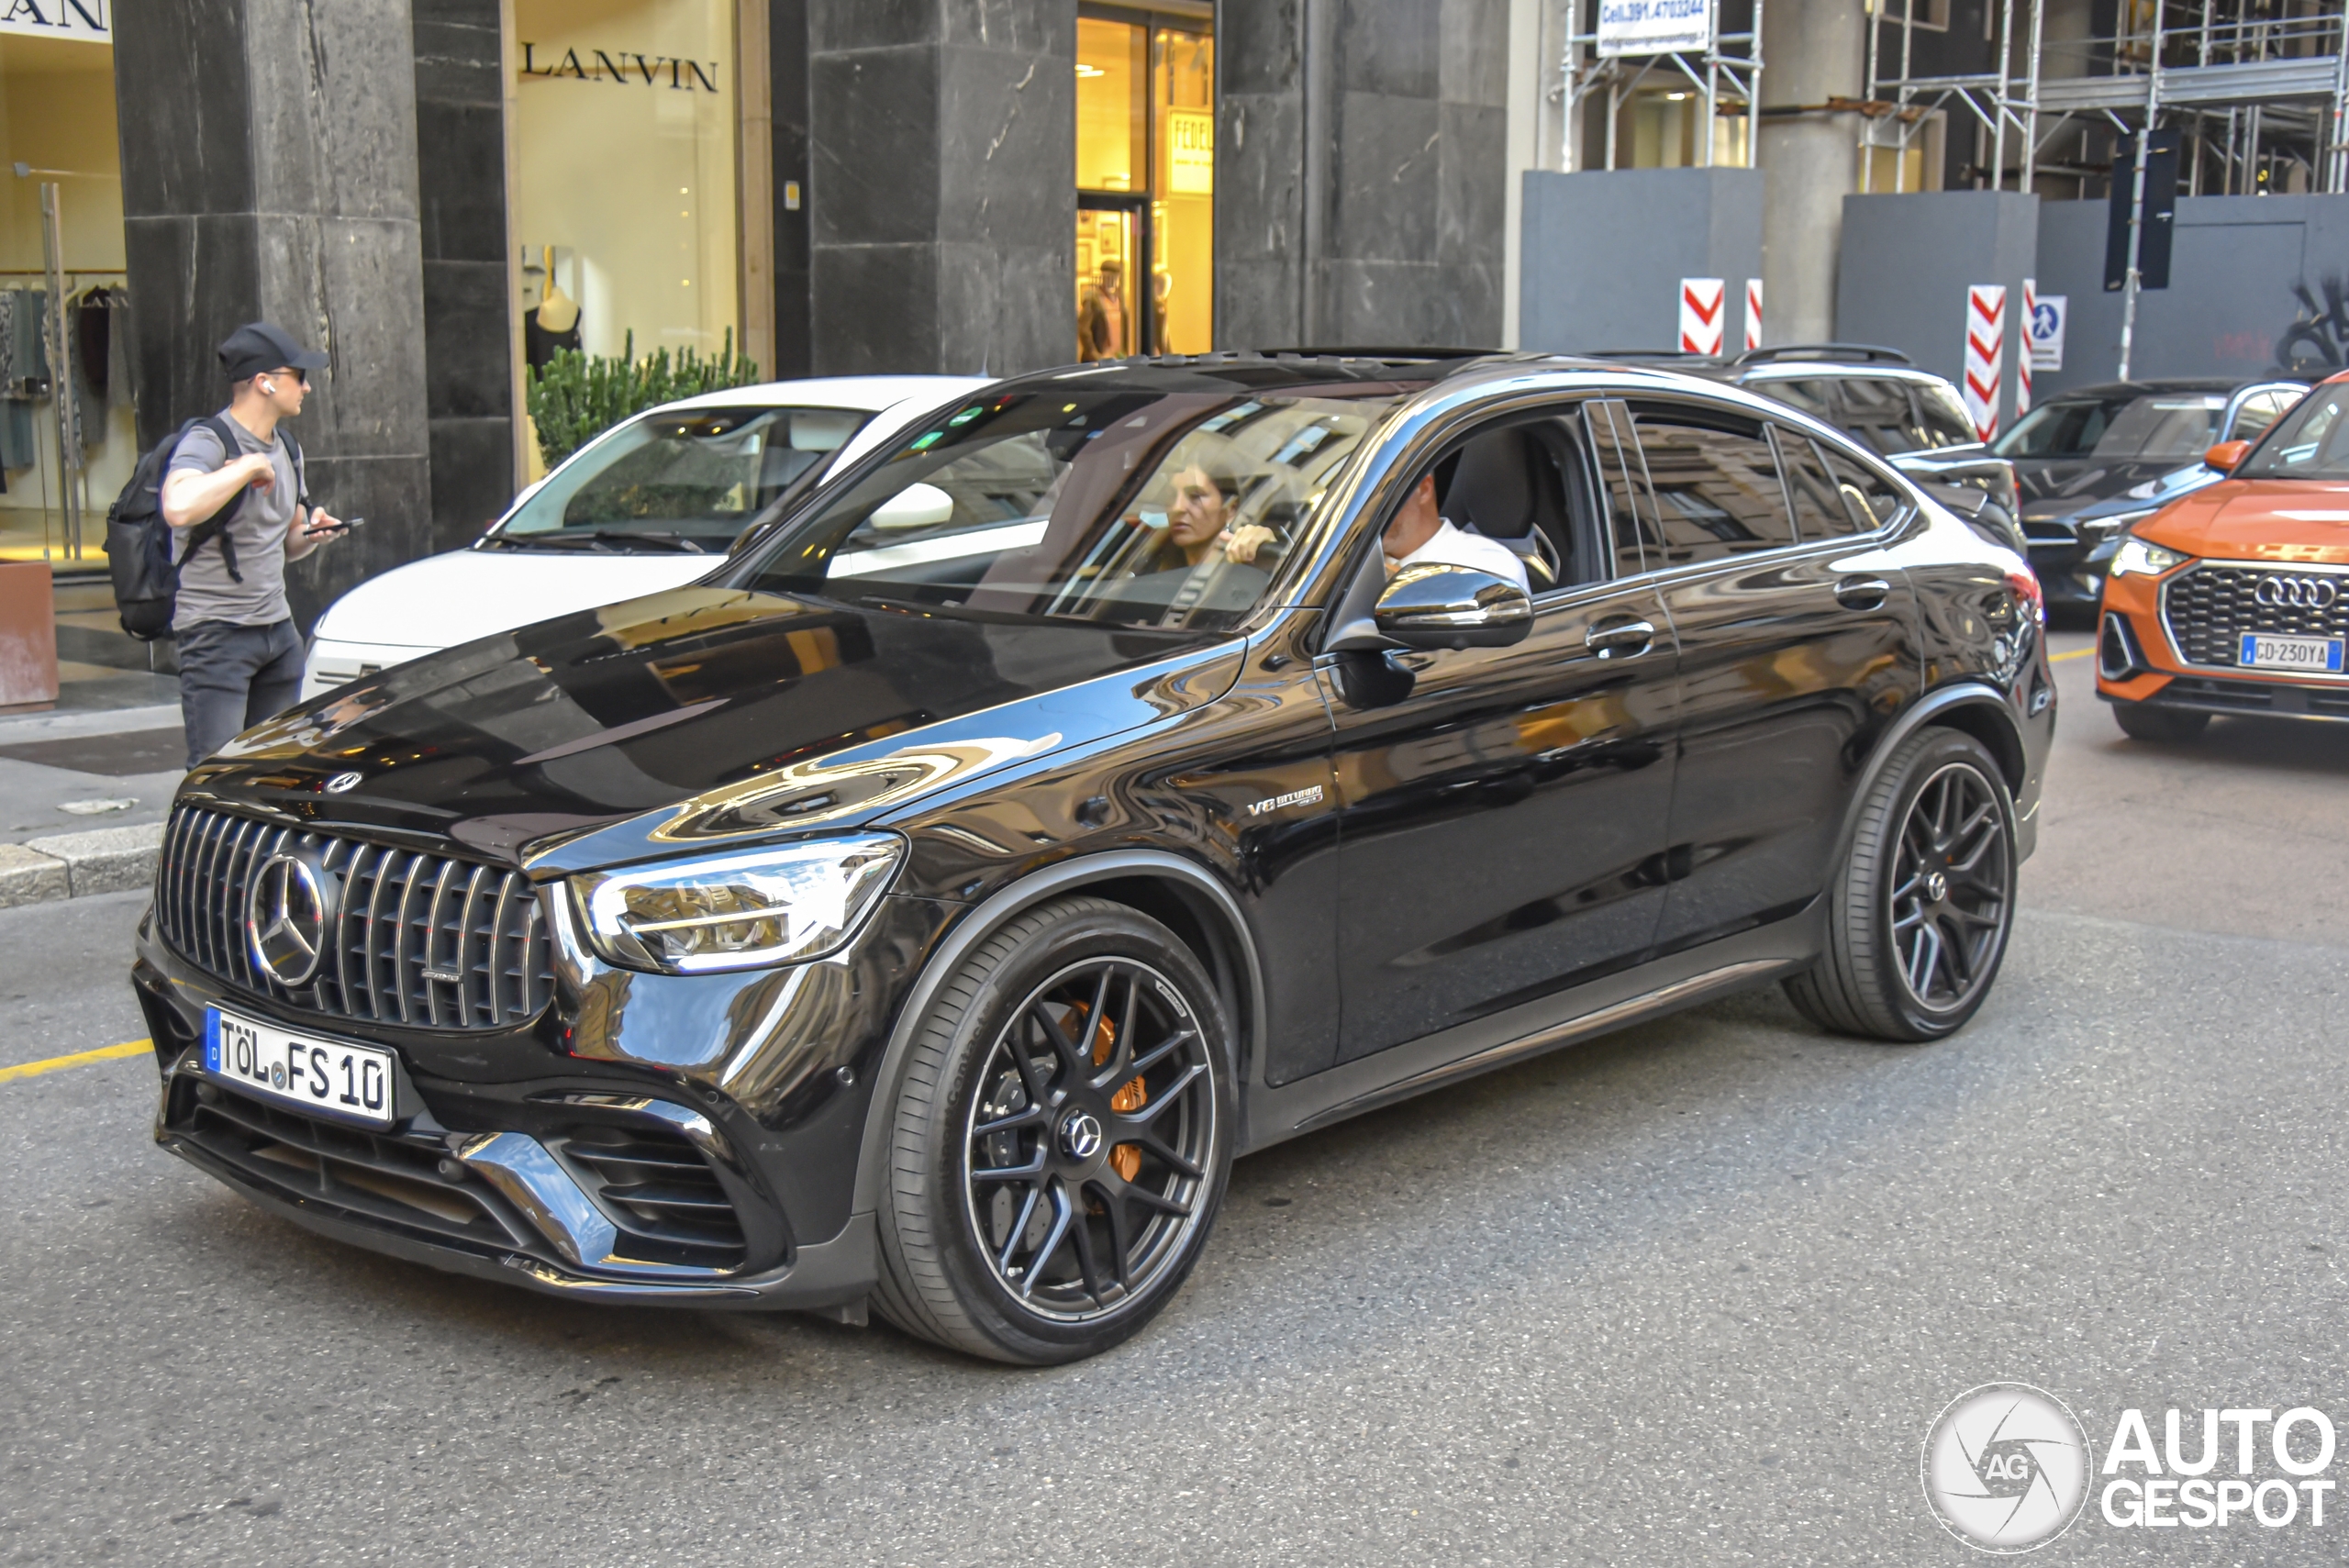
(232, 677)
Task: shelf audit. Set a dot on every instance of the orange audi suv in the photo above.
(2235, 598)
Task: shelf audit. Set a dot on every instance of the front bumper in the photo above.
(647, 1139)
(2138, 665)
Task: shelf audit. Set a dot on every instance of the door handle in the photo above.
(1862, 592)
(1620, 639)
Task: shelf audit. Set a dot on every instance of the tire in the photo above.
(2139, 723)
(1079, 1237)
(1939, 807)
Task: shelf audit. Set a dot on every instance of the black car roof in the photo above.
(1271, 370)
(2154, 388)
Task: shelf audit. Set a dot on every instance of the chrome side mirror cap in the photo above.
(1433, 605)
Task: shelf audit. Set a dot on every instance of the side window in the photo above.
(1869, 499)
(1813, 397)
(1876, 409)
(1623, 486)
(1716, 485)
(1943, 414)
(2260, 410)
(1818, 505)
(1507, 483)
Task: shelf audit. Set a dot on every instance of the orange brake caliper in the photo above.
(1126, 1158)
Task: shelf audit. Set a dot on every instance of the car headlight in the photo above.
(2138, 558)
(739, 911)
(2101, 529)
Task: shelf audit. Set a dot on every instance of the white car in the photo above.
(654, 502)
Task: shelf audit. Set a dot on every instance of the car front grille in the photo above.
(2208, 607)
(419, 940)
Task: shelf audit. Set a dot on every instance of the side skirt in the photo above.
(1734, 963)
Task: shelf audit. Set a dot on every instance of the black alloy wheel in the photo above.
(1062, 1137)
(1086, 1152)
(1919, 916)
(1951, 884)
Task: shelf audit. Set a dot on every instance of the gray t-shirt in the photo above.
(206, 591)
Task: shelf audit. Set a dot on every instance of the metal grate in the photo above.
(658, 1190)
(2207, 609)
(420, 940)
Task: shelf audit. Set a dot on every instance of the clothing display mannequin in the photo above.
(554, 324)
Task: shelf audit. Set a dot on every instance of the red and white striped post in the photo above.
(1985, 352)
(2023, 346)
(1701, 300)
(1753, 314)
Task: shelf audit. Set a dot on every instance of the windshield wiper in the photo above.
(654, 536)
(548, 541)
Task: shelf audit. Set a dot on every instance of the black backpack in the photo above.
(138, 541)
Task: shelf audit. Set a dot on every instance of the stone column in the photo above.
(942, 177)
(269, 160)
(468, 317)
(1360, 172)
(1811, 50)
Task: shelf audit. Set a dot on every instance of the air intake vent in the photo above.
(660, 1192)
(419, 940)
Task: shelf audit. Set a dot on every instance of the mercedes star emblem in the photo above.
(1081, 1136)
(341, 781)
(289, 914)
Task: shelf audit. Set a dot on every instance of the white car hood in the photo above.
(443, 600)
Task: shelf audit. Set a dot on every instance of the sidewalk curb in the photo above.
(77, 865)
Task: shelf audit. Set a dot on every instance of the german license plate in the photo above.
(349, 1081)
(2264, 650)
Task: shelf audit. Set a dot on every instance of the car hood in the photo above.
(2059, 487)
(699, 716)
(2258, 519)
(443, 600)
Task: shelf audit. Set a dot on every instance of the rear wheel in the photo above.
(1060, 1141)
(2141, 723)
(1919, 917)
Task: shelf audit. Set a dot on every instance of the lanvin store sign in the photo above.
(623, 66)
(86, 20)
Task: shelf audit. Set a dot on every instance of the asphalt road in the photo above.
(1692, 1293)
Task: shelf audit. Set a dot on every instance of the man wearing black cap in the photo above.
(241, 657)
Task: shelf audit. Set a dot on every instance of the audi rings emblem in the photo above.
(289, 915)
(2296, 593)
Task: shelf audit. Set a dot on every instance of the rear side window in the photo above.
(1941, 417)
(1869, 499)
(1820, 511)
(1716, 485)
(1613, 446)
(1876, 409)
(1817, 397)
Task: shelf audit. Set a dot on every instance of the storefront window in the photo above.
(1146, 176)
(57, 122)
(624, 189)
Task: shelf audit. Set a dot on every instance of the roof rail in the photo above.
(1864, 354)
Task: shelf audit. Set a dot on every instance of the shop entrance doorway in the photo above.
(1146, 179)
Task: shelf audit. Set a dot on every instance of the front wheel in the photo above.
(2159, 723)
(1060, 1141)
(1919, 917)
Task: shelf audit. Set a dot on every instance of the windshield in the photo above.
(1128, 508)
(679, 480)
(2167, 427)
(2311, 442)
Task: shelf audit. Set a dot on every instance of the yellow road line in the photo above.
(79, 1059)
(2075, 653)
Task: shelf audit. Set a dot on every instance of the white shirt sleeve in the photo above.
(1450, 547)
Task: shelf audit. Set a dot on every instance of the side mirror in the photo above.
(918, 506)
(2226, 455)
(1433, 605)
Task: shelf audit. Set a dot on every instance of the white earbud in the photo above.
(267, 390)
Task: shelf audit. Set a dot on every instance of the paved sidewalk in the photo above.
(82, 798)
